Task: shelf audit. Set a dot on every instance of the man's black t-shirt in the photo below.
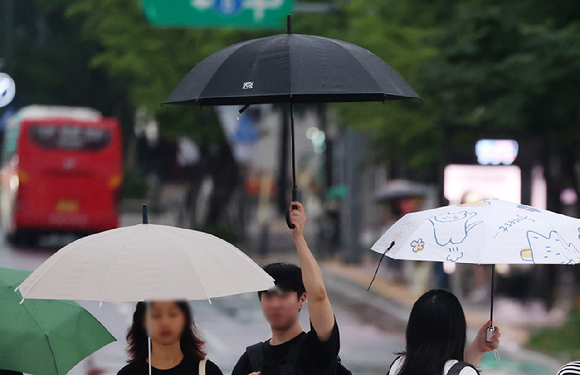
(187, 366)
(314, 358)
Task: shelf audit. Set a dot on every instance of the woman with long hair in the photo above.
(175, 345)
(436, 337)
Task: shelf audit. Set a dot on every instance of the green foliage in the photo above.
(498, 70)
(557, 341)
(134, 185)
(52, 63)
(507, 65)
(399, 33)
(155, 59)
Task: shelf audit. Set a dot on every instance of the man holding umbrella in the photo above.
(290, 350)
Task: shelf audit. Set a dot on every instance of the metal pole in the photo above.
(294, 187)
(492, 288)
(283, 164)
(148, 312)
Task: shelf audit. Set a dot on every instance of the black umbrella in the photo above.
(290, 68)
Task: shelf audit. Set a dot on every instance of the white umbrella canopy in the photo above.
(484, 232)
(146, 262)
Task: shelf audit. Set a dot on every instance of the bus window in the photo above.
(72, 138)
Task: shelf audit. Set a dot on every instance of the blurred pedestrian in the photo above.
(175, 346)
(436, 335)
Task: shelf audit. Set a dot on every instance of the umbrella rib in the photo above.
(271, 41)
(341, 44)
(45, 336)
(46, 266)
(185, 253)
(213, 238)
(113, 262)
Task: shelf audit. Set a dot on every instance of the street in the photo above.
(229, 325)
(371, 328)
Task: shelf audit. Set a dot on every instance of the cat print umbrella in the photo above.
(484, 232)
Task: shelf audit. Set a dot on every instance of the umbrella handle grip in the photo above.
(288, 221)
(489, 333)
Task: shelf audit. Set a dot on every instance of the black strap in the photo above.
(257, 359)
(458, 367)
(256, 356)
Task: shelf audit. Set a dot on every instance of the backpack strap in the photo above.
(257, 359)
(290, 364)
(458, 367)
(256, 356)
(202, 365)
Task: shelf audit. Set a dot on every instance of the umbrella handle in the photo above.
(288, 221)
(491, 328)
(294, 207)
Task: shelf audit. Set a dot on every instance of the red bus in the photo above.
(61, 172)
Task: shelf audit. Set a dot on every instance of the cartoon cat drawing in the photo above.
(549, 250)
(452, 228)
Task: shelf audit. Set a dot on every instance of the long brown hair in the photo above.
(191, 345)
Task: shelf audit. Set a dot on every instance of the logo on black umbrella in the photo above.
(248, 85)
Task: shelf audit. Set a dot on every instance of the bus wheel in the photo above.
(11, 238)
(24, 238)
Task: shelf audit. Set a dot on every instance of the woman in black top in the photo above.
(175, 347)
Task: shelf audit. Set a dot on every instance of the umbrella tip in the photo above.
(145, 218)
(289, 23)
(242, 111)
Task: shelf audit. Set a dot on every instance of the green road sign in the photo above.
(218, 13)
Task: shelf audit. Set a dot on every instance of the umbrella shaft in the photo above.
(148, 312)
(294, 187)
(492, 289)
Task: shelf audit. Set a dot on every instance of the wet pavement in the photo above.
(372, 325)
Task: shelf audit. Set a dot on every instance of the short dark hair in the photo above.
(436, 333)
(288, 277)
(191, 345)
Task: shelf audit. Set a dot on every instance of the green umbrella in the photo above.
(44, 337)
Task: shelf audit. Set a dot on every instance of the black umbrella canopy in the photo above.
(290, 68)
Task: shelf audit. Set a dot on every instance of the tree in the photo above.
(155, 60)
(52, 63)
(513, 77)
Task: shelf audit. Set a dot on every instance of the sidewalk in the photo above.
(388, 304)
(514, 336)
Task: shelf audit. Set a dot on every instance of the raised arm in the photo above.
(319, 307)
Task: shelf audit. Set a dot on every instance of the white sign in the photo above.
(7, 89)
(496, 151)
(467, 183)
